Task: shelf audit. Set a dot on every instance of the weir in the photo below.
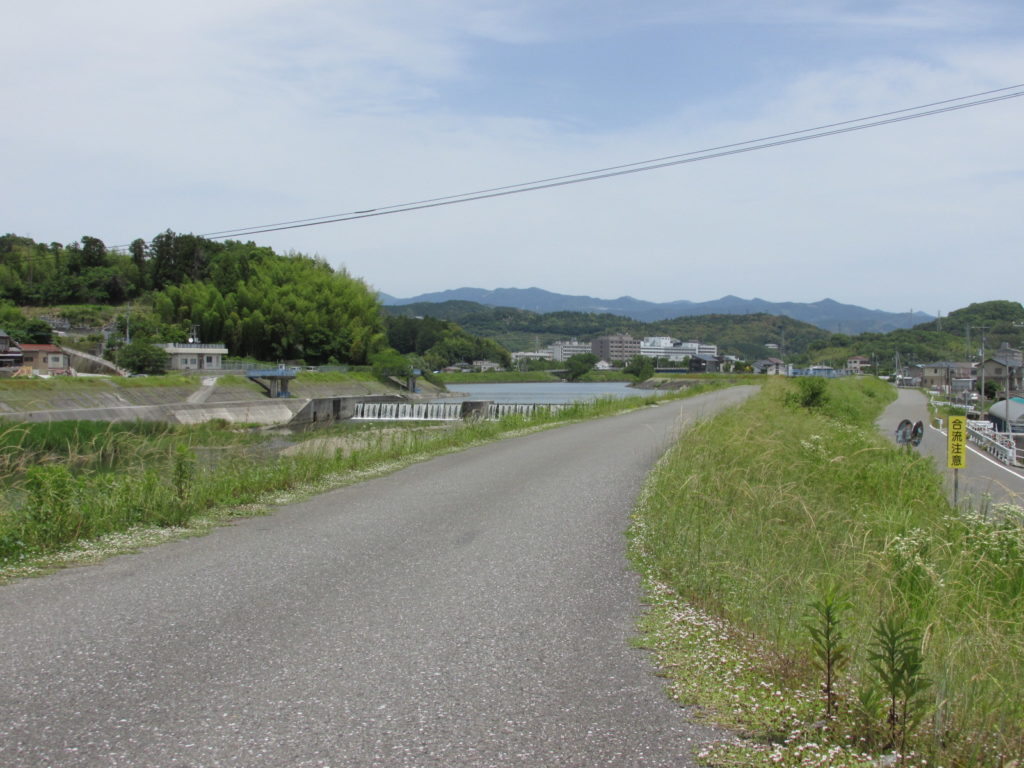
(408, 411)
(448, 411)
(497, 410)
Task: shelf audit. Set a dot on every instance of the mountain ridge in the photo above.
(828, 314)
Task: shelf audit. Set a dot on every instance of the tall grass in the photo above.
(64, 492)
(78, 444)
(764, 511)
(97, 446)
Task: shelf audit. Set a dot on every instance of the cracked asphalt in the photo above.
(472, 610)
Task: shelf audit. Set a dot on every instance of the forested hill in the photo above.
(519, 329)
(997, 321)
(958, 338)
(827, 314)
(261, 304)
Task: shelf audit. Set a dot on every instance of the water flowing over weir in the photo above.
(408, 411)
(497, 410)
(454, 411)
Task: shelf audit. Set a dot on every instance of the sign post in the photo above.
(956, 450)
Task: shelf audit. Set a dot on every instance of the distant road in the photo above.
(984, 477)
(472, 610)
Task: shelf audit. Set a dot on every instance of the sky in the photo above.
(123, 119)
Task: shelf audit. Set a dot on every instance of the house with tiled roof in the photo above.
(771, 366)
(46, 359)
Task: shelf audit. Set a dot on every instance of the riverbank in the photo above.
(851, 613)
(91, 494)
(181, 397)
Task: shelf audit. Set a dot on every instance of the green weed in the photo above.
(763, 510)
(65, 492)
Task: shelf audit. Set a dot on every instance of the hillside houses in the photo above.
(1004, 367)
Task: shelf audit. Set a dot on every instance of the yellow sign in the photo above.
(956, 443)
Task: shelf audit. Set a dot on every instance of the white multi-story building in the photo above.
(661, 342)
(563, 350)
(675, 350)
(542, 354)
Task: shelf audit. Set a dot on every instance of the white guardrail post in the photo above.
(1001, 446)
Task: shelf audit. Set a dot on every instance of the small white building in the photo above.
(483, 366)
(188, 356)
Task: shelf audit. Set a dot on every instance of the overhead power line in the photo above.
(767, 142)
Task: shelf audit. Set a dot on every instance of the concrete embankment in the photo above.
(207, 400)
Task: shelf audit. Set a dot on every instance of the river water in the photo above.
(543, 392)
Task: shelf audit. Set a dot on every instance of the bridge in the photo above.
(277, 379)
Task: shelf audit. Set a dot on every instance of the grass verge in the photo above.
(814, 589)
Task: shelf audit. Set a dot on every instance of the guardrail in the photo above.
(999, 445)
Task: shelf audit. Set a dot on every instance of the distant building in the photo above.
(486, 365)
(46, 359)
(663, 348)
(1004, 368)
(187, 356)
(857, 363)
(543, 354)
(563, 350)
(617, 348)
(705, 364)
(910, 376)
(1009, 355)
(10, 352)
(698, 348)
(771, 366)
(942, 375)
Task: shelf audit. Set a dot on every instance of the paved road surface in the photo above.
(983, 478)
(473, 610)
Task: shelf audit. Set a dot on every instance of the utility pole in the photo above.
(982, 328)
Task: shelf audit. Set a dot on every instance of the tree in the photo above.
(36, 331)
(641, 367)
(388, 363)
(580, 365)
(94, 252)
(142, 357)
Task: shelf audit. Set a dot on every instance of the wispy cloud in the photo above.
(130, 118)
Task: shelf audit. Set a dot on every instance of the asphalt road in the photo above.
(473, 610)
(983, 479)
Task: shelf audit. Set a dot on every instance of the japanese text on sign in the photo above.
(956, 443)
